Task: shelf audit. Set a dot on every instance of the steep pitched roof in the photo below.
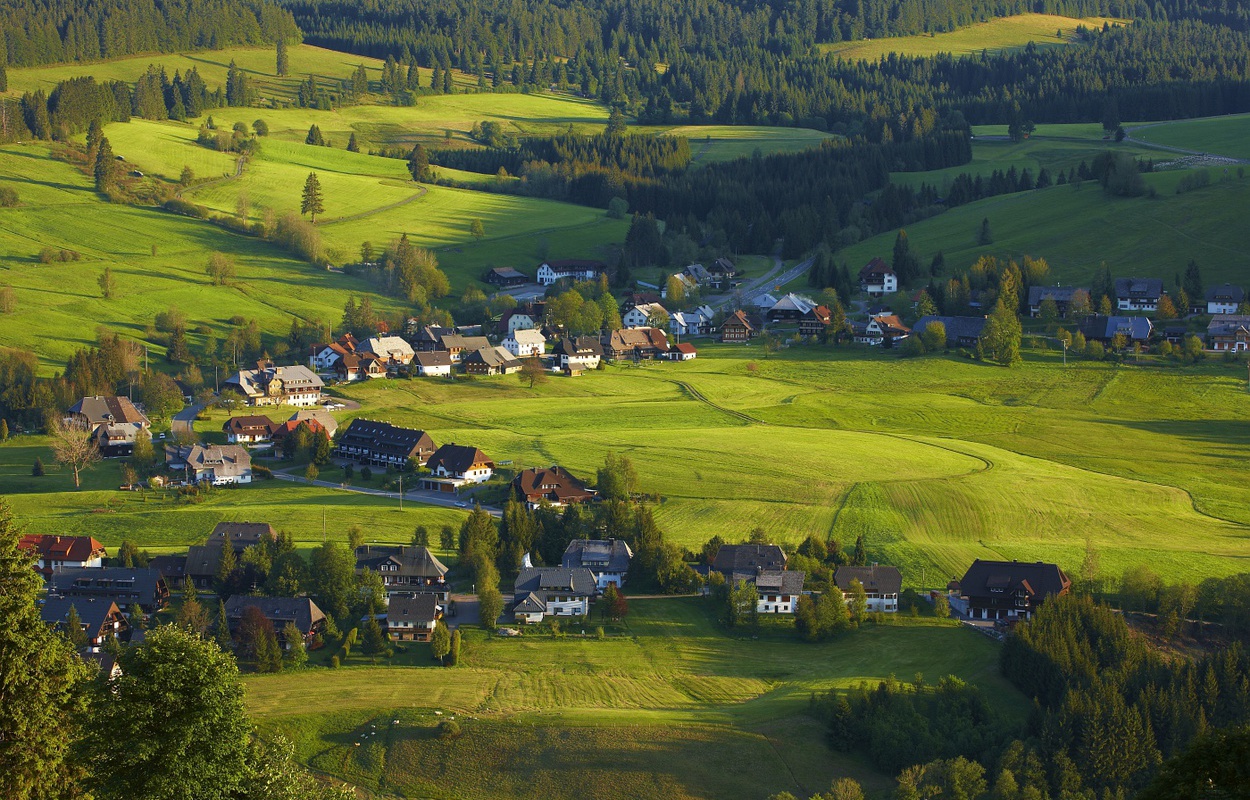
(457, 458)
(278, 610)
(739, 317)
(1060, 294)
(598, 555)
(583, 346)
(789, 581)
(250, 424)
(731, 558)
(243, 534)
(433, 358)
(388, 347)
(875, 579)
(225, 460)
(568, 580)
(956, 327)
(92, 612)
(1139, 288)
(877, 268)
(318, 415)
(1036, 579)
(1227, 324)
(554, 483)
(100, 409)
(410, 561)
(421, 609)
(113, 582)
(1225, 293)
(528, 336)
(685, 347)
(385, 439)
(62, 548)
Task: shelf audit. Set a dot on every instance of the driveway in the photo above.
(466, 611)
(184, 420)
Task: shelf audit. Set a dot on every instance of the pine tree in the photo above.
(37, 470)
(105, 166)
(419, 164)
(74, 631)
(453, 658)
(312, 201)
(283, 62)
(352, 145)
(222, 628)
(226, 565)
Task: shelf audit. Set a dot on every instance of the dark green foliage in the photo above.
(37, 470)
(1216, 765)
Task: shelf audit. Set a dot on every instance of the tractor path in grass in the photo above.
(238, 172)
(421, 192)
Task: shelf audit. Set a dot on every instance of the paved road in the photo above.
(1183, 151)
(411, 495)
(776, 276)
(184, 420)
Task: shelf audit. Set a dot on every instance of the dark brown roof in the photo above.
(278, 610)
(410, 561)
(433, 358)
(685, 347)
(1036, 579)
(418, 608)
(249, 424)
(385, 439)
(62, 548)
(875, 579)
(100, 409)
(242, 534)
(738, 318)
(457, 458)
(875, 268)
(748, 558)
(555, 484)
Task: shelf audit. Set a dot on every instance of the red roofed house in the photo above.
(682, 351)
(555, 485)
(61, 552)
(814, 322)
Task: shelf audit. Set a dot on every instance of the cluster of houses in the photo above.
(113, 422)
(443, 469)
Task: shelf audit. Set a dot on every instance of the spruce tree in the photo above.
(226, 565)
(37, 470)
(222, 628)
(283, 62)
(105, 166)
(73, 630)
(312, 201)
(4, 430)
(352, 145)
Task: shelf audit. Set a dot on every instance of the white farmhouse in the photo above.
(525, 342)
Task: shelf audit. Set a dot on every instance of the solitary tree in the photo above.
(490, 606)
(312, 201)
(296, 654)
(476, 229)
(74, 447)
(532, 370)
(105, 166)
(106, 282)
(440, 641)
(284, 63)
(220, 269)
(419, 164)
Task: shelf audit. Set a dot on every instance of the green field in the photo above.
(712, 143)
(1075, 228)
(1224, 136)
(1001, 33)
(674, 709)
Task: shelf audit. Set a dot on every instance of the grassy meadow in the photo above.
(1225, 136)
(713, 143)
(1000, 33)
(673, 708)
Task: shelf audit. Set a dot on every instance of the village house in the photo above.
(790, 308)
(682, 351)
(640, 316)
(382, 444)
(460, 346)
(1105, 329)
(1138, 294)
(739, 562)
(1225, 299)
(251, 429)
(280, 432)
(607, 559)
(218, 464)
(1007, 590)
(54, 553)
(101, 619)
(302, 611)
(92, 412)
(117, 440)
(505, 277)
(554, 485)
(960, 331)
(778, 591)
(455, 465)
(577, 269)
(433, 364)
(882, 328)
(1062, 295)
(359, 367)
(881, 585)
(722, 272)
(1229, 333)
(242, 535)
(320, 416)
(579, 353)
(877, 278)
(268, 385)
(125, 586)
(689, 284)
(529, 315)
(490, 361)
(737, 328)
(428, 338)
(762, 302)
(691, 323)
(552, 592)
(413, 619)
(815, 321)
(405, 569)
(202, 560)
(525, 342)
(637, 344)
(324, 356)
(393, 351)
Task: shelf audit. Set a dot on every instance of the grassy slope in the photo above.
(674, 709)
(1075, 228)
(712, 143)
(1002, 33)
(1225, 136)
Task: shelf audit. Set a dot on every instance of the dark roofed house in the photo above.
(960, 331)
(577, 353)
(608, 559)
(553, 485)
(173, 568)
(455, 465)
(248, 429)
(790, 307)
(433, 364)
(737, 328)
(636, 344)
(1225, 299)
(490, 361)
(505, 276)
(413, 619)
(1138, 294)
(578, 269)
(98, 410)
(778, 591)
(101, 618)
(242, 535)
(117, 440)
(383, 444)
(553, 592)
(1229, 333)
(278, 610)
(1104, 329)
(744, 561)
(122, 585)
(881, 584)
(405, 569)
(877, 278)
(202, 563)
(1062, 295)
(1009, 590)
(814, 322)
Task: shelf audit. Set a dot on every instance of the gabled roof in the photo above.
(647, 309)
(225, 460)
(788, 581)
(1035, 579)
(433, 358)
(384, 438)
(249, 424)
(723, 266)
(875, 579)
(738, 318)
(598, 555)
(1227, 324)
(584, 346)
(92, 612)
(508, 273)
(685, 347)
(278, 610)
(388, 347)
(1226, 293)
(795, 303)
(1139, 288)
(421, 609)
(554, 483)
(454, 341)
(457, 458)
(568, 580)
(877, 268)
(528, 336)
(318, 415)
(492, 357)
(100, 409)
(114, 582)
(203, 559)
(576, 265)
(411, 561)
(1060, 294)
(1100, 327)
(243, 534)
(732, 558)
(640, 338)
(62, 548)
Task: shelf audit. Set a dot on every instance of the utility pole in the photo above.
(401, 491)
(1065, 352)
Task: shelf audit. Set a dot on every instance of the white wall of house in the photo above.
(523, 349)
(773, 603)
(568, 607)
(634, 318)
(1140, 304)
(882, 284)
(603, 579)
(530, 617)
(579, 362)
(1221, 307)
(435, 372)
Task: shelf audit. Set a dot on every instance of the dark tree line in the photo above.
(53, 31)
(643, 156)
